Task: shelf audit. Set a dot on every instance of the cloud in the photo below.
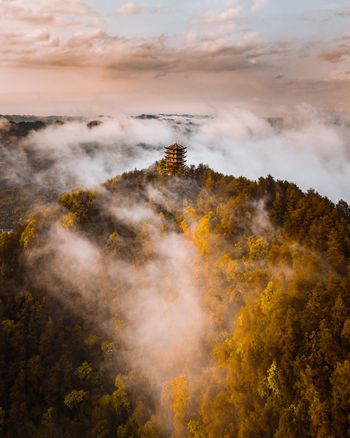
(217, 51)
(223, 34)
(130, 8)
(15, 45)
(41, 11)
(85, 157)
(309, 150)
(343, 13)
(335, 56)
(4, 125)
(230, 15)
(109, 56)
(219, 42)
(302, 145)
(90, 40)
(257, 5)
(136, 294)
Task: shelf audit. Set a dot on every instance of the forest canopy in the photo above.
(196, 306)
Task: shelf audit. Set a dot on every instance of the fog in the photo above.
(156, 300)
(161, 295)
(312, 152)
(301, 145)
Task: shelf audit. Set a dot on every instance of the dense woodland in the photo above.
(274, 281)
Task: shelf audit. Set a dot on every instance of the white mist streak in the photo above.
(166, 320)
(157, 298)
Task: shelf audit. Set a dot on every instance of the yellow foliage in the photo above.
(267, 298)
(229, 266)
(195, 429)
(272, 379)
(9, 325)
(29, 234)
(204, 237)
(105, 400)
(119, 397)
(258, 248)
(189, 214)
(176, 394)
(69, 221)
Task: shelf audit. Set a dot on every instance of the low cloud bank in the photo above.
(307, 149)
(302, 145)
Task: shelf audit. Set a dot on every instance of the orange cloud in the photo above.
(41, 12)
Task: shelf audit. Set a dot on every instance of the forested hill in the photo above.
(194, 306)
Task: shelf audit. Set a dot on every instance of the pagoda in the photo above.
(175, 158)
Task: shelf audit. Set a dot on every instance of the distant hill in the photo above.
(19, 193)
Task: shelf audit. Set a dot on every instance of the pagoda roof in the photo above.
(176, 147)
(171, 152)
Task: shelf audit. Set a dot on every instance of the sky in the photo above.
(106, 57)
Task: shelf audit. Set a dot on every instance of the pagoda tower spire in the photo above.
(175, 158)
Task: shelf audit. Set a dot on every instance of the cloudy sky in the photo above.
(108, 56)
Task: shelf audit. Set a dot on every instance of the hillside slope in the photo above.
(201, 306)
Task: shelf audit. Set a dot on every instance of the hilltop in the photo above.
(200, 305)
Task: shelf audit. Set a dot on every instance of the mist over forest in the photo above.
(43, 157)
(302, 145)
(210, 303)
(174, 219)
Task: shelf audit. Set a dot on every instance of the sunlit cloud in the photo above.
(336, 55)
(130, 8)
(100, 49)
(183, 41)
(41, 12)
(230, 15)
